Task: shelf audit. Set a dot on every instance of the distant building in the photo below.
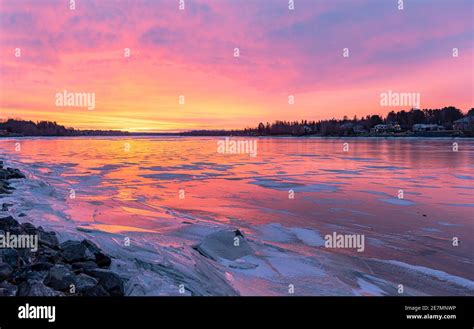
(385, 128)
(380, 128)
(464, 124)
(419, 127)
(394, 127)
(351, 127)
(358, 128)
(346, 126)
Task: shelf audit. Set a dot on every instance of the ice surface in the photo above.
(135, 196)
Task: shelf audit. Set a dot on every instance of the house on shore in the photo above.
(385, 128)
(359, 129)
(420, 127)
(464, 124)
(349, 128)
(380, 129)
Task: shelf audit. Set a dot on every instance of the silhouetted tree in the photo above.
(374, 120)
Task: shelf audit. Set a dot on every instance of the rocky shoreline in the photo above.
(50, 268)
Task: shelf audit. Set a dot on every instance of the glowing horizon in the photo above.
(190, 52)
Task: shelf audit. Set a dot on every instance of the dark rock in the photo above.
(5, 206)
(15, 257)
(27, 274)
(109, 280)
(101, 259)
(7, 289)
(36, 288)
(3, 174)
(45, 272)
(16, 230)
(4, 183)
(90, 245)
(48, 239)
(7, 223)
(84, 282)
(49, 255)
(25, 256)
(29, 228)
(5, 271)
(238, 233)
(11, 173)
(60, 278)
(84, 266)
(96, 291)
(75, 251)
(10, 256)
(5, 187)
(40, 266)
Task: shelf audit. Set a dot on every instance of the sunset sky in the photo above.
(191, 52)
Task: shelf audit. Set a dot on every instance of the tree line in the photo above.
(47, 128)
(444, 117)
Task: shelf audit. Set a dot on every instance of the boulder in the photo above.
(7, 223)
(75, 251)
(29, 228)
(12, 173)
(5, 206)
(54, 267)
(84, 282)
(40, 266)
(109, 280)
(7, 289)
(27, 274)
(49, 255)
(10, 256)
(5, 187)
(225, 244)
(84, 266)
(96, 291)
(5, 271)
(36, 288)
(48, 239)
(60, 278)
(101, 259)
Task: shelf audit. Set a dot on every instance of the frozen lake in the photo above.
(149, 200)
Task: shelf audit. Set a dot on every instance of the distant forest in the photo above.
(16, 127)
